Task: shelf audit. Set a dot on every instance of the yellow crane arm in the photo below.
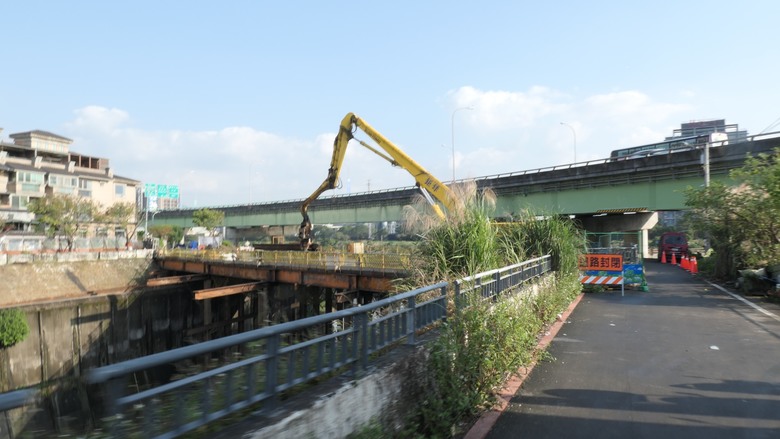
(349, 124)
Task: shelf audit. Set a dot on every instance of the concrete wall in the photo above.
(70, 336)
(31, 257)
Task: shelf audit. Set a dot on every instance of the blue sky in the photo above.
(241, 100)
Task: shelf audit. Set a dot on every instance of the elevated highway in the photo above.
(605, 186)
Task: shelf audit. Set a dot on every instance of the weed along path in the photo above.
(683, 360)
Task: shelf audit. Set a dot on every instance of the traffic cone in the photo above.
(695, 266)
(684, 262)
(663, 257)
(674, 259)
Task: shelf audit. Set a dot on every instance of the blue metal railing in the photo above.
(490, 284)
(17, 398)
(257, 366)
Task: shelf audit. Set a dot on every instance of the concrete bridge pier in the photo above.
(622, 222)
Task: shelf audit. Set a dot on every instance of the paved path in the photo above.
(684, 360)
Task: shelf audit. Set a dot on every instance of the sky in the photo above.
(239, 101)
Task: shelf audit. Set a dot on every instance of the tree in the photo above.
(63, 215)
(208, 219)
(742, 221)
(119, 214)
(13, 327)
(167, 232)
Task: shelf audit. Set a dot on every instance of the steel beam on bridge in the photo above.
(210, 293)
(653, 183)
(174, 280)
(378, 281)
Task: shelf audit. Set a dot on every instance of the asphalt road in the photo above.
(684, 360)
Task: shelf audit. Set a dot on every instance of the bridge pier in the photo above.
(624, 222)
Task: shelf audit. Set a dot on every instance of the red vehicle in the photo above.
(672, 243)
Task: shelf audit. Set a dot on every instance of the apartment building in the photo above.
(37, 163)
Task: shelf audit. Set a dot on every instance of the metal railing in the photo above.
(17, 399)
(489, 284)
(324, 260)
(269, 361)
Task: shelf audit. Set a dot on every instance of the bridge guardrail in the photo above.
(277, 358)
(489, 284)
(17, 399)
(323, 260)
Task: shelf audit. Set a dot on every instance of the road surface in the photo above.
(684, 360)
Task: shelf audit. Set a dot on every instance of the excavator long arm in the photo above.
(349, 124)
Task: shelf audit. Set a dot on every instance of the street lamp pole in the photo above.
(452, 125)
(574, 133)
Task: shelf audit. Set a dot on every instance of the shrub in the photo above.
(13, 327)
(479, 348)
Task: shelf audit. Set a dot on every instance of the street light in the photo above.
(575, 139)
(453, 137)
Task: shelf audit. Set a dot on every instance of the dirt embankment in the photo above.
(44, 281)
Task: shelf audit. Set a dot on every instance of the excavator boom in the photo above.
(350, 124)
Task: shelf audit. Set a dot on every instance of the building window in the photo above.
(63, 184)
(29, 177)
(29, 187)
(119, 190)
(19, 201)
(85, 188)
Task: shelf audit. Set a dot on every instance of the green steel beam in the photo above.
(655, 183)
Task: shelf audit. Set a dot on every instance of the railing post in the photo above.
(411, 320)
(114, 389)
(443, 307)
(497, 283)
(272, 367)
(360, 345)
(456, 295)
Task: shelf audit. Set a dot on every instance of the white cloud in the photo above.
(508, 131)
(96, 118)
(501, 110)
(511, 131)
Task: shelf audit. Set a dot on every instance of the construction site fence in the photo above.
(631, 255)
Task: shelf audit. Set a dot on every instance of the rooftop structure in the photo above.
(39, 163)
(701, 127)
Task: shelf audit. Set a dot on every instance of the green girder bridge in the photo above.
(598, 187)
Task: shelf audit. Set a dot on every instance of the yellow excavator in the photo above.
(428, 184)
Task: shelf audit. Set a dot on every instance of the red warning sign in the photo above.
(600, 262)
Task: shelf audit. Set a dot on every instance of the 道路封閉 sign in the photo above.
(599, 262)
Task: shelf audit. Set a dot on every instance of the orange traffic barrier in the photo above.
(663, 257)
(674, 259)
